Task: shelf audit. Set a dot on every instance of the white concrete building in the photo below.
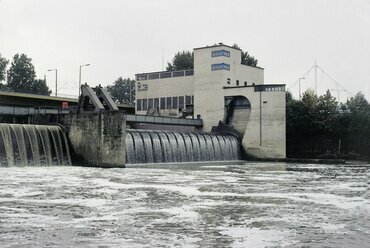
(220, 88)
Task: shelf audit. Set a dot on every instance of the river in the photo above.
(244, 204)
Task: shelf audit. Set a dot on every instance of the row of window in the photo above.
(220, 53)
(269, 88)
(236, 82)
(221, 66)
(164, 102)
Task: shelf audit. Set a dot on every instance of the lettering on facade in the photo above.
(142, 87)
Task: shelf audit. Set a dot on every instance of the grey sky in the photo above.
(121, 38)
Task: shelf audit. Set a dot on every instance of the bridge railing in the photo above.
(164, 120)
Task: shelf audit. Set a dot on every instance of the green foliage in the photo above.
(247, 59)
(358, 103)
(122, 90)
(182, 61)
(39, 87)
(316, 126)
(21, 73)
(22, 77)
(3, 63)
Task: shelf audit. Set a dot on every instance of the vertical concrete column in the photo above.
(98, 139)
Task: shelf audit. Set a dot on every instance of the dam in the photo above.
(220, 110)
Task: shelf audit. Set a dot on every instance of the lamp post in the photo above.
(79, 81)
(338, 91)
(299, 83)
(56, 80)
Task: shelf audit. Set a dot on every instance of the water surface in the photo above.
(186, 205)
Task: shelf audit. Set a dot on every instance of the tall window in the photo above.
(220, 53)
(174, 102)
(221, 66)
(138, 105)
(188, 100)
(163, 103)
(150, 106)
(156, 102)
(169, 103)
(181, 102)
(145, 104)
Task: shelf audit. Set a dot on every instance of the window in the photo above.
(156, 103)
(145, 104)
(221, 66)
(237, 82)
(228, 81)
(192, 100)
(138, 105)
(169, 104)
(181, 102)
(174, 102)
(150, 106)
(188, 100)
(245, 83)
(220, 53)
(163, 103)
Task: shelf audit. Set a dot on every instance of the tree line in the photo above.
(21, 76)
(319, 126)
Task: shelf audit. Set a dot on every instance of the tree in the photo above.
(358, 103)
(182, 61)
(39, 87)
(21, 74)
(3, 63)
(22, 77)
(246, 59)
(122, 90)
(326, 113)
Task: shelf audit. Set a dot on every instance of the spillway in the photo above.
(28, 145)
(149, 146)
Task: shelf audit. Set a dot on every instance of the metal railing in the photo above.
(164, 120)
(164, 74)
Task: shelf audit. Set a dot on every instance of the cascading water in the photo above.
(27, 145)
(149, 146)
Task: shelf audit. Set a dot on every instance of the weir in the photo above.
(149, 146)
(27, 145)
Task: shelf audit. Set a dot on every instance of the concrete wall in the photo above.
(98, 139)
(265, 134)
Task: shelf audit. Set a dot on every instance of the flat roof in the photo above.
(217, 45)
(256, 85)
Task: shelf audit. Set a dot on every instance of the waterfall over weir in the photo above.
(27, 145)
(149, 146)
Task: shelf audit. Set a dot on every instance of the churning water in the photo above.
(22, 145)
(149, 146)
(186, 205)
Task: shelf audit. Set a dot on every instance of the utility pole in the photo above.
(300, 86)
(315, 77)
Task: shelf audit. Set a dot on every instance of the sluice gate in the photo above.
(149, 146)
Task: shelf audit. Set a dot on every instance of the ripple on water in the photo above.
(224, 205)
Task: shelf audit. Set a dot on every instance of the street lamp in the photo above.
(56, 80)
(300, 86)
(79, 81)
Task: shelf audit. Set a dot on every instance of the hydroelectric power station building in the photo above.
(220, 89)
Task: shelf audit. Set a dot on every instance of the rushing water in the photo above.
(149, 146)
(186, 205)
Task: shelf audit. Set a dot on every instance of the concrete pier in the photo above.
(98, 139)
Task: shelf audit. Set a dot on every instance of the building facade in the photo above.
(220, 88)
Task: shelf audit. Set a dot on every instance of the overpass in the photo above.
(14, 100)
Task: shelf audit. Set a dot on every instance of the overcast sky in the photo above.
(121, 38)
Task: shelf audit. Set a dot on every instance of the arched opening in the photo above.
(237, 112)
